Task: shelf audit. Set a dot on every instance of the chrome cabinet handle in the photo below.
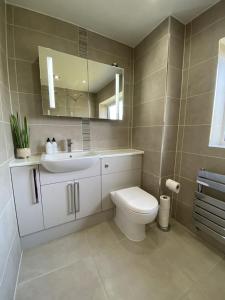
(77, 196)
(35, 186)
(70, 199)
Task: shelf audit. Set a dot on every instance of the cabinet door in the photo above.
(58, 203)
(87, 196)
(116, 181)
(26, 187)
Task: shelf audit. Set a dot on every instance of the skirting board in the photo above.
(50, 234)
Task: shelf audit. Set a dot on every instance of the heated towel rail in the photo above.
(209, 212)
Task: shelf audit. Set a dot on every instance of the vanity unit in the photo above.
(49, 205)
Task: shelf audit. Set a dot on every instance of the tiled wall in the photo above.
(157, 82)
(150, 77)
(28, 30)
(9, 240)
(199, 74)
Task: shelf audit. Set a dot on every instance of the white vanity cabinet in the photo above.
(27, 196)
(67, 201)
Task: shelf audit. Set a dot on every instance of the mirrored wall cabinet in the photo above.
(72, 86)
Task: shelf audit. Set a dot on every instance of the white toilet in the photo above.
(134, 209)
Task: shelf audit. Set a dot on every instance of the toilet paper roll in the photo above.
(164, 211)
(173, 186)
(164, 202)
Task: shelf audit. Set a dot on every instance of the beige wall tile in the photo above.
(107, 45)
(170, 138)
(28, 77)
(6, 106)
(40, 133)
(196, 140)
(159, 32)
(174, 78)
(105, 135)
(172, 108)
(176, 48)
(148, 138)
(153, 86)
(3, 150)
(153, 60)
(149, 114)
(10, 41)
(208, 17)
(30, 19)
(201, 48)
(168, 163)
(12, 74)
(192, 163)
(182, 112)
(9, 13)
(177, 28)
(151, 162)
(27, 42)
(202, 77)
(186, 57)
(150, 183)
(184, 85)
(199, 109)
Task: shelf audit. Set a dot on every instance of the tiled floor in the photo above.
(101, 264)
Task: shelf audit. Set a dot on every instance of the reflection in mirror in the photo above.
(76, 87)
(217, 135)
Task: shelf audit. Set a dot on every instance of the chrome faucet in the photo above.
(69, 144)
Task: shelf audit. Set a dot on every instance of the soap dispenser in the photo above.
(54, 146)
(48, 146)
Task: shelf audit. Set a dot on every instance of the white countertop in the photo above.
(35, 160)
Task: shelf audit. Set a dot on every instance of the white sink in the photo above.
(69, 162)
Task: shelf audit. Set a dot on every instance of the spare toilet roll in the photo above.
(164, 211)
(173, 186)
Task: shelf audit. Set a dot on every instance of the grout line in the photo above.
(45, 33)
(7, 258)
(18, 273)
(207, 26)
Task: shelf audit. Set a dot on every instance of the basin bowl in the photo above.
(69, 162)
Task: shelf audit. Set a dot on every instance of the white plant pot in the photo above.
(23, 152)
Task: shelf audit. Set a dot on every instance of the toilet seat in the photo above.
(135, 200)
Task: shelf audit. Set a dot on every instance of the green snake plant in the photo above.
(20, 132)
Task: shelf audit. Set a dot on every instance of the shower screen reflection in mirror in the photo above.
(72, 86)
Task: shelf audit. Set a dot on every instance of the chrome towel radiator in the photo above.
(209, 212)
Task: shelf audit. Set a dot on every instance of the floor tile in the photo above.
(184, 251)
(56, 254)
(103, 235)
(78, 281)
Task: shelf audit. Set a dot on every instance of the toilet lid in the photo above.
(136, 199)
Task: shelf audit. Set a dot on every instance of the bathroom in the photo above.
(132, 93)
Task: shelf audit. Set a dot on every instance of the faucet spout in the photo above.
(69, 144)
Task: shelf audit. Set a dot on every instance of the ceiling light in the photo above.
(56, 77)
(83, 81)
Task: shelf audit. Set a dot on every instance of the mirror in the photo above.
(72, 86)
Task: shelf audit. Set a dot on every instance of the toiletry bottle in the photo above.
(54, 146)
(48, 146)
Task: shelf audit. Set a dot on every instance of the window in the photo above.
(217, 134)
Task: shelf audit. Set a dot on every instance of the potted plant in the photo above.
(20, 135)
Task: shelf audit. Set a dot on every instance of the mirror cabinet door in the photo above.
(72, 86)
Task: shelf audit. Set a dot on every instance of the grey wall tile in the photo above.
(148, 138)
(28, 77)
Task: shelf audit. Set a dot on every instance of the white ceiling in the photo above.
(127, 21)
